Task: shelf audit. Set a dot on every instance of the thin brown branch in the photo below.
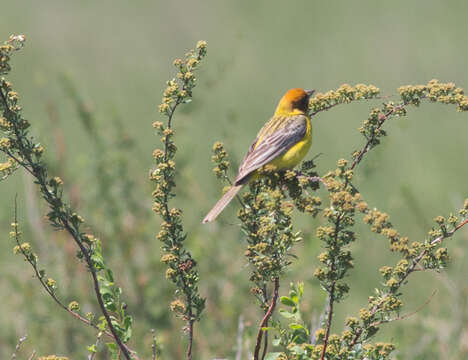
(450, 233)
(264, 302)
(265, 319)
(405, 316)
(265, 343)
(367, 146)
(24, 165)
(190, 342)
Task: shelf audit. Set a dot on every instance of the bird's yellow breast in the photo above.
(295, 153)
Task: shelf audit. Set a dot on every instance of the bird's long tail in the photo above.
(222, 203)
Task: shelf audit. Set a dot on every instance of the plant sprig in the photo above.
(23, 151)
(181, 267)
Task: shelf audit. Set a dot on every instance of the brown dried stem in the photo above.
(369, 142)
(265, 319)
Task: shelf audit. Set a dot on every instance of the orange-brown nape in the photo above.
(295, 101)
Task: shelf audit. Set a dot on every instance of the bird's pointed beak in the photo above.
(309, 92)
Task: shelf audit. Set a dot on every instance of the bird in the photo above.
(282, 142)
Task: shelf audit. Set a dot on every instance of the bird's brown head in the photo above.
(295, 101)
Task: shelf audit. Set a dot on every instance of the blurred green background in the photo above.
(112, 58)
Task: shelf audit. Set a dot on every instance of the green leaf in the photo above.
(110, 305)
(102, 324)
(98, 261)
(127, 324)
(106, 291)
(287, 301)
(109, 275)
(296, 326)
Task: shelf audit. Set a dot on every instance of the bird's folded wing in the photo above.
(267, 147)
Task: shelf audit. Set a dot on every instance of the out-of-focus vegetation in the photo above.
(91, 77)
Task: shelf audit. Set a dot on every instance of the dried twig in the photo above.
(265, 319)
(370, 141)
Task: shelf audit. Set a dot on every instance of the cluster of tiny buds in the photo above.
(338, 347)
(74, 306)
(7, 168)
(12, 98)
(15, 42)
(178, 306)
(179, 89)
(380, 224)
(344, 94)
(220, 158)
(445, 93)
(25, 249)
(267, 221)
